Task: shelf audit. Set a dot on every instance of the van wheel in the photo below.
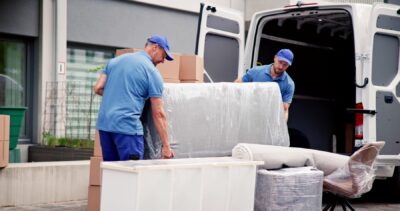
(298, 138)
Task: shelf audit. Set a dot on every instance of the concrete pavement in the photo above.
(82, 206)
(65, 206)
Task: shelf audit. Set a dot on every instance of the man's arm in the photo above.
(101, 82)
(286, 110)
(160, 121)
(247, 77)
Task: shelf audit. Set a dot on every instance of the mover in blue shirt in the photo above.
(125, 84)
(275, 72)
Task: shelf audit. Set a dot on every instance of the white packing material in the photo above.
(276, 157)
(289, 189)
(209, 119)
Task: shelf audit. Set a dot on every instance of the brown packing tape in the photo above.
(94, 197)
(4, 153)
(4, 128)
(95, 170)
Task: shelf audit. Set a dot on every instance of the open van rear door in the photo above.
(383, 70)
(221, 42)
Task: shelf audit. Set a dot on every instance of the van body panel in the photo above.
(316, 106)
(221, 43)
(383, 70)
(350, 75)
(360, 14)
(374, 27)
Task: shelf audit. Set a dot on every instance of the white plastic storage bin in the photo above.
(195, 184)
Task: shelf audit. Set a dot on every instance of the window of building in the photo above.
(14, 83)
(83, 69)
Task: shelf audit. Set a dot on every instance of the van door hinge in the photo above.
(362, 57)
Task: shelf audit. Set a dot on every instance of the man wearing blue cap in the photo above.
(125, 84)
(275, 72)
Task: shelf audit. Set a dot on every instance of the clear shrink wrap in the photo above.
(289, 189)
(358, 175)
(209, 119)
(346, 176)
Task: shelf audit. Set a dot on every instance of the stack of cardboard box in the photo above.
(4, 139)
(95, 176)
(183, 69)
(170, 69)
(191, 69)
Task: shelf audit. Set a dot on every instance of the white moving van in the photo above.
(346, 69)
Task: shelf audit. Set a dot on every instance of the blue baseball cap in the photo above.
(285, 55)
(163, 43)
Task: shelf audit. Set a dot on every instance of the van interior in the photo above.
(323, 70)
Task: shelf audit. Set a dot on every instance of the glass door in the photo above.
(13, 78)
(12, 73)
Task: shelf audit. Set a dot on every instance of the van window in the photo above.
(221, 57)
(222, 24)
(385, 59)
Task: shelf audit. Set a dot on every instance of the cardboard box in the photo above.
(94, 197)
(4, 128)
(97, 146)
(168, 69)
(95, 171)
(192, 68)
(119, 52)
(4, 153)
(167, 80)
(189, 81)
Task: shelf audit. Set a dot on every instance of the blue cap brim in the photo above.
(169, 55)
(284, 59)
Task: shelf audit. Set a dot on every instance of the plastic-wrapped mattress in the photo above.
(209, 119)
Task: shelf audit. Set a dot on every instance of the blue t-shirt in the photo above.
(131, 79)
(263, 74)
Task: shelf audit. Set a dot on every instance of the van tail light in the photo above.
(359, 133)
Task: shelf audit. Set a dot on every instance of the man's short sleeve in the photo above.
(248, 77)
(287, 95)
(156, 85)
(107, 68)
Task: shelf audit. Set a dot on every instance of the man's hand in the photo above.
(160, 121)
(238, 80)
(167, 152)
(286, 110)
(99, 86)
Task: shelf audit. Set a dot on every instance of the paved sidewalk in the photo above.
(82, 206)
(65, 206)
(367, 206)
